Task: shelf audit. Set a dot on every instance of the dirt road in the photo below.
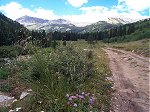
(131, 81)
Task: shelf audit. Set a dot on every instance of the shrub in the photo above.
(54, 73)
(5, 88)
(4, 73)
(4, 109)
(64, 43)
(89, 54)
(10, 51)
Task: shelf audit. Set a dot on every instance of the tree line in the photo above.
(12, 32)
(114, 34)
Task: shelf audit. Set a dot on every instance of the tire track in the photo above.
(131, 83)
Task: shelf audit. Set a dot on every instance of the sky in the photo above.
(88, 11)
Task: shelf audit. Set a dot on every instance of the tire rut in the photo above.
(131, 92)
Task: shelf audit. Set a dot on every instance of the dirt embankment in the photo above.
(131, 81)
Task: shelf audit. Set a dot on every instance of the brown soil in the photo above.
(131, 81)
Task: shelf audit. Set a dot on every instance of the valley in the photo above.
(56, 66)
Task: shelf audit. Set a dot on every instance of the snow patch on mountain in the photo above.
(119, 20)
(27, 20)
(34, 23)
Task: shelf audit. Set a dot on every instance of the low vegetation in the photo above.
(63, 79)
(10, 51)
(137, 35)
(140, 47)
(64, 73)
(4, 109)
(4, 73)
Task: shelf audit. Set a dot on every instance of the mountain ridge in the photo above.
(62, 25)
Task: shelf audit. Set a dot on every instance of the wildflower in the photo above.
(59, 77)
(70, 98)
(14, 100)
(67, 95)
(81, 97)
(73, 97)
(92, 100)
(17, 109)
(75, 105)
(83, 93)
(87, 94)
(77, 95)
(56, 99)
(39, 102)
(68, 103)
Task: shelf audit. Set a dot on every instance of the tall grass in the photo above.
(52, 74)
(68, 78)
(140, 47)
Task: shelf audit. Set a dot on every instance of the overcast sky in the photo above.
(76, 10)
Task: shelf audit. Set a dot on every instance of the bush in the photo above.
(4, 73)
(64, 43)
(4, 109)
(89, 54)
(5, 88)
(56, 73)
(10, 51)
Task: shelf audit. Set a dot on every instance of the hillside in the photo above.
(10, 31)
(129, 32)
(99, 26)
(140, 47)
(60, 29)
(62, 71)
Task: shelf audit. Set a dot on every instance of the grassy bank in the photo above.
(141, 47)
(69, 78)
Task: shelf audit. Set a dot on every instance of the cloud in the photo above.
(77, 3)
(15, 10)
(100, 13)
(91, 14)
(137, 5)
(94, 9)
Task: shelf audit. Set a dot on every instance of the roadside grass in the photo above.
(10, 51)
(137, 35)
(5, 88)
(4, 72)
(102, 65)
(4, 109)
(99, 84)
(54, 73)
(141, 47)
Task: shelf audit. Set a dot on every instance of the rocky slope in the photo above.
(63, 25)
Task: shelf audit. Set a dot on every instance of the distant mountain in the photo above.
(60, 21)
(27, 20)
(62, 25)
(107, 24)
(33, 23)
(98, 26)
(81, 24)
(119, 21)
(57, 25)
